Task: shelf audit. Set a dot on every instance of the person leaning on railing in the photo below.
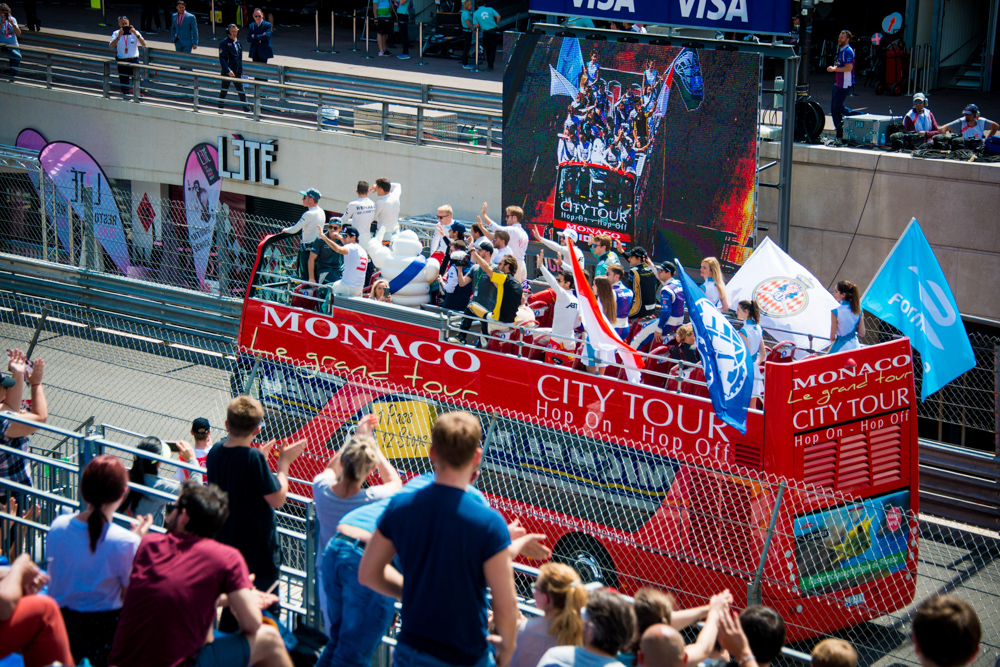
(14, 434)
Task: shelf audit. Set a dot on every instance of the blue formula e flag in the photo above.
(727, 361)
(910, 293)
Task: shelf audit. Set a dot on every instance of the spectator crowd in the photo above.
(206, 590)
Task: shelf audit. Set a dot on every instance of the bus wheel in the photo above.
(588, 557)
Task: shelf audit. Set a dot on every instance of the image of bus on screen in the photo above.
(634, 485)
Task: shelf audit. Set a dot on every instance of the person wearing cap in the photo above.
(671, 309)
(355, 262)
(844, 69)
(201, 431)
(644, 285)
(146, 472)
(360, 214)
(13, 434)
(310, 225)
(560, 248)
(325, 264)
(971, 125)
(920, 119)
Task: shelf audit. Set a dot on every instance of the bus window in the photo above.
(616, 486)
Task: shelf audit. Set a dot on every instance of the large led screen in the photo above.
(652, 145)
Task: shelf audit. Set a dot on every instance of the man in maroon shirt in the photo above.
(178, 580)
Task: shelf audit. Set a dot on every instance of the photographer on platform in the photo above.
(126, 40)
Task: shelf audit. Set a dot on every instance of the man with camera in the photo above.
(9, 33)
(126, 40)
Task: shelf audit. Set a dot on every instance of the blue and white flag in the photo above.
(910, 293)
(725, 358)
(566, 74)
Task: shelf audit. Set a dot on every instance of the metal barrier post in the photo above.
(367, 46)
(477, 49)
(333, 38)
(385, 120)
(489, 134)
(38, 330)
(107, 79)
(281, 80)
(753, 589)
(212, 9)
(45, 225)
(319, 112)
(317, 49)
(136, 84)
(195, 93)
(48, 70)
(314, 618)
(354, 30)
(420, 125)
(256, 101)
(86, 250)
(104, 16)
(420, 27)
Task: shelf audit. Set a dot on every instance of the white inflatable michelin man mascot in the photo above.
(409, 273)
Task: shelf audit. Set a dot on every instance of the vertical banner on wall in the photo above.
(146, 218)
(56, 206)
(202, 186)
(72, 169)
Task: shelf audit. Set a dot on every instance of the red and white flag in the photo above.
(600, 334)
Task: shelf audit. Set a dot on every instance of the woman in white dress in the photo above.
(847, 325)
(753, 337)
(715, 285)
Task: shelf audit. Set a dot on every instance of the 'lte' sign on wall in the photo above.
(252, 159)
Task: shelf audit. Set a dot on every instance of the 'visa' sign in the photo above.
(757, 16)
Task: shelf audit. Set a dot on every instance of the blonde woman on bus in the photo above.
(847, 324)
(561, 595)
(715, 285)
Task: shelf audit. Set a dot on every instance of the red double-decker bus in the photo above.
(633, 484)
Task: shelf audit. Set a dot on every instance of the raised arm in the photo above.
(286, 457)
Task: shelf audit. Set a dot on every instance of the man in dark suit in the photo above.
(231, 61)
(184, 29)
(259, 36)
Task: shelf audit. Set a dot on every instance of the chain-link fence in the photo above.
(620, 512)
(969, 402)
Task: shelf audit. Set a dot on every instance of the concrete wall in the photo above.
(144, 142)
(956, 204)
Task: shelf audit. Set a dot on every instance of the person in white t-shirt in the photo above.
(501, 246)
(561, 248)
(201, 431)
(561, 336)
(360, 214)
(387, 206)
(310, 225)
(971, 125)
(126, 42)
(355, 262)
(518, 236)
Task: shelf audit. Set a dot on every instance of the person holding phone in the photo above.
(126, 41)
(146, 472)
(9, 33)
(201, 431)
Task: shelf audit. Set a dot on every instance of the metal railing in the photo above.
(319, 106)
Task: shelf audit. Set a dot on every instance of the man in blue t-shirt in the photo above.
(487, 20)
(844, 69)
(450, 549)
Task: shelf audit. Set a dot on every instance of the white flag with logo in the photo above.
(793, 304)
